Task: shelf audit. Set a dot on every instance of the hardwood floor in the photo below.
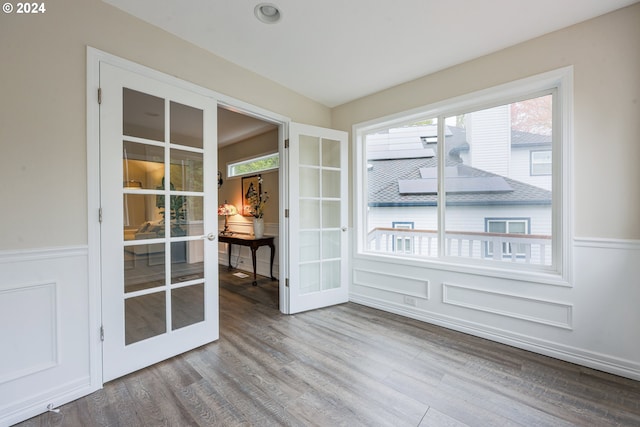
(349, 365)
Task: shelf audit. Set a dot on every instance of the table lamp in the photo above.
(227, 210)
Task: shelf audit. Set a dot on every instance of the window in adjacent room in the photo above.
(254, 165)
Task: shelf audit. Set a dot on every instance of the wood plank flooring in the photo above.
(350, 365)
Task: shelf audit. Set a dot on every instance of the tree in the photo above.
(532, 115)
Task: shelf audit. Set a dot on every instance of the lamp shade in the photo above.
(227, 209)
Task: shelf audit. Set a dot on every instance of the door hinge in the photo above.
(286, 282)
(286, 213)
(101, 333)
(286, 143)
(99, 95)
(100, 215)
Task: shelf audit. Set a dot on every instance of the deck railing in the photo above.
(524, 248)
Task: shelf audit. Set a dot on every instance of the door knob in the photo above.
(344, 228)
(211, 236)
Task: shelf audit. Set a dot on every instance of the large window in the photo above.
(480, 178)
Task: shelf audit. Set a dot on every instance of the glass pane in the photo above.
(330, 214)
(330, 275)
(517, 227)
(330, 183)
(330, 153)
(187, 306)
(185, 214)
(309, 182)
(186, 125)
(309, 246)
(309, 278)
(142, 217)
(144, 317)
(331, 247)
(402, 183)
(143, 267)
(143, 166)
(186, 171)
(254, 165)
(142, 115)
(187, 261)
(493, 172)
(309, 150)
(309, 214)
(497, 227)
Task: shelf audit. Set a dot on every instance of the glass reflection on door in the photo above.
(163, 214)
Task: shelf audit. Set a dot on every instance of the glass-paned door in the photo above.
(318, 217)
(159, 223)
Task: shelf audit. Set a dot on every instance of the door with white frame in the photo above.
(318, 214)
(159, 270)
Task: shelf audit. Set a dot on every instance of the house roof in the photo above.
(527, 139)
(479, 188)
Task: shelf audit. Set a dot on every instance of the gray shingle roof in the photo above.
(383, 177)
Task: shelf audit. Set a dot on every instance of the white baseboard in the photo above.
(624, 368)
(52, 398)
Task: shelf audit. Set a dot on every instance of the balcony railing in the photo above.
(524, 248)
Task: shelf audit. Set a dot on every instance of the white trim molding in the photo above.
(557, 314)
(395, 283)
(603, 243)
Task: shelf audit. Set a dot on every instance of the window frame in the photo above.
(246, 160)
(560, 83)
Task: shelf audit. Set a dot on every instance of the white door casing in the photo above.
(159, 270)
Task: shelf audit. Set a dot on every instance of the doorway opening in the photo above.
(249, 182)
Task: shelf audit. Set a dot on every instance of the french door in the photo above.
(318, 214)
(158, 157)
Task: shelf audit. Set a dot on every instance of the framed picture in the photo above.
(249, 184)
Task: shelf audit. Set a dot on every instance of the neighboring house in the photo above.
(507, 195)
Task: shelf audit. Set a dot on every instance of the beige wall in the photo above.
(231, 190)
(43, 109)
(605, 53)
(43, 112)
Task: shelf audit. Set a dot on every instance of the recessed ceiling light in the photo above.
(267, 13)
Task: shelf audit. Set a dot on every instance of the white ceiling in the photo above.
(335, 51)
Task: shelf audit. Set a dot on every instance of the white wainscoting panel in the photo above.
(44, 331)
(35, 331)
(396, 283)
(595, 322)
(510, 305)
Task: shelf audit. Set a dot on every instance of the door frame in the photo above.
(94, 58)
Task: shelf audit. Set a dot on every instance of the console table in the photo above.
(254, 244)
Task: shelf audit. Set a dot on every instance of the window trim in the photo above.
(560, 82)
(249, 160)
